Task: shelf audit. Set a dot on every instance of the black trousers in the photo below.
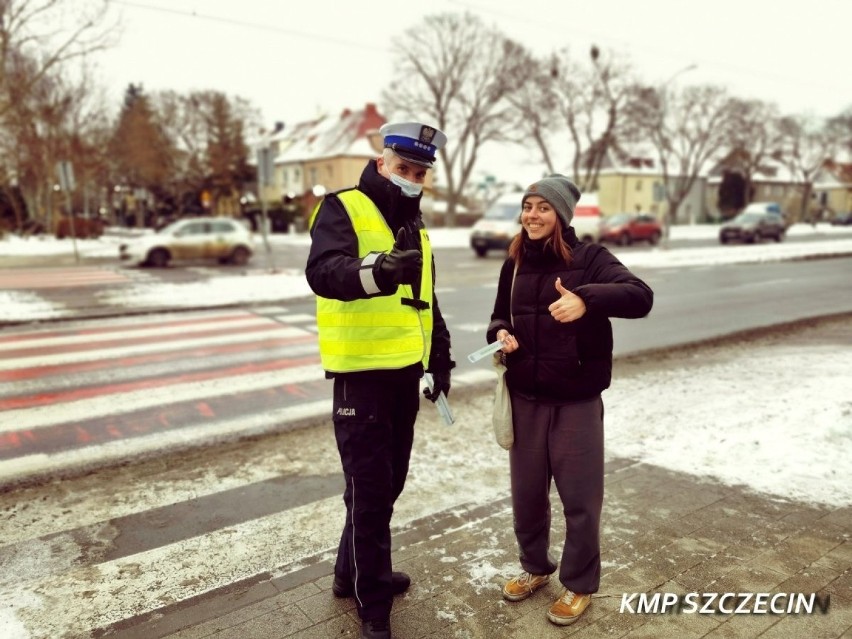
(563, 444)
(374, 414)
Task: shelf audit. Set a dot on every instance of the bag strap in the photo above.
(511, 293)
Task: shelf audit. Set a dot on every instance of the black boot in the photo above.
(399, 584)
(375, 629)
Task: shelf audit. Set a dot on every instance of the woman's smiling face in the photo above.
(538, 217)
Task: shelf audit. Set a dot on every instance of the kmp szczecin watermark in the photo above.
(725, 603)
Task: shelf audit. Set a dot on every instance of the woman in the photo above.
(554, 300)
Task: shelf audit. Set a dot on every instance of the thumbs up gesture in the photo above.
(401, 265)
(568, 307)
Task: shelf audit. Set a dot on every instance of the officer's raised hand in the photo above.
(401, 266)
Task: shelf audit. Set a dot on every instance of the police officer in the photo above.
(380, 327)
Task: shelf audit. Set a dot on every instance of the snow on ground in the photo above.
(24, 305)
(776, 418)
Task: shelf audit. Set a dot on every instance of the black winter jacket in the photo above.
(333, 267)
(572, 361)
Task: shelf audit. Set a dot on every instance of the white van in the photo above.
(587, 218)
(501, 222)
(498, 226)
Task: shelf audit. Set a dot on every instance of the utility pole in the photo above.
(264, 179)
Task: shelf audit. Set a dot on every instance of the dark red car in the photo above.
(626, 228)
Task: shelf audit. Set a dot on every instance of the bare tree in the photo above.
(755, 136)
(51, 33)
(40, 95)
(805, 146)
(591, 99)
(841, 128)
(585, 100)
(687, 128)
(55, 119)
(207, 130)
(458, 73)
(536, 104)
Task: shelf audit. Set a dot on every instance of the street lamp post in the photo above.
(663, 111)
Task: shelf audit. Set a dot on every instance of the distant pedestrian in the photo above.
(380, 327)
(554, 299)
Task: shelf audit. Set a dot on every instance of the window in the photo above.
(196, 228)
(222, 227)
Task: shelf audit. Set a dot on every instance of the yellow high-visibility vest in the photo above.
(385, 332)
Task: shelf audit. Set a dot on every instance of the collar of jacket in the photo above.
(535, 251)
(387, 196)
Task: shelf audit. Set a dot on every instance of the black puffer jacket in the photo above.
(564, 362)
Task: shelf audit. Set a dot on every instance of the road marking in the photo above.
(86, 337)
(91, 407)
(275, 330)
(71, 277)
(172, 440)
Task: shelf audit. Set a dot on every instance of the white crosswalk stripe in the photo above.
(76, 392)
(122, 375)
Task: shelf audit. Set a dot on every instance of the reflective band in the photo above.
(368, 280)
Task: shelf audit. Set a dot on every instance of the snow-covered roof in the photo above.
(327, 136)
(770, 172)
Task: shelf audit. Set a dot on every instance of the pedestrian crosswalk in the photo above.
(49, 278)
(89, 391)
(134, 538)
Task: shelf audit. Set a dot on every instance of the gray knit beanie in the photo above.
(559, 191)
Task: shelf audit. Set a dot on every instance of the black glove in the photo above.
(401, 266)
(440, 383)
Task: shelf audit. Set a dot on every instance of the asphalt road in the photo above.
(690, 303)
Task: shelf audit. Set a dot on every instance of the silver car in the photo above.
(200, 238)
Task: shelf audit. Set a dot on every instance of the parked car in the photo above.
(199, 238)
(842, 219)
(753, 227)
(626, 228)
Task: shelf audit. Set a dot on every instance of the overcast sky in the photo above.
(294, 60)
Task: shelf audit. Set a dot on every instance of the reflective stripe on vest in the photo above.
(379, 332)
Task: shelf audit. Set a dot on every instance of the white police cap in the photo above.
(413, 141)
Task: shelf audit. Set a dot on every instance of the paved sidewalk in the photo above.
(663, 532)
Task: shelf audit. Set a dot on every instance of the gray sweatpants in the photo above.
(562, 443)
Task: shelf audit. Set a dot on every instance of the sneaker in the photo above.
(522, 586)
(344, 588)
(568, 608)
(375, 629)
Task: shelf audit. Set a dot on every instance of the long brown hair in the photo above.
(554, 243)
